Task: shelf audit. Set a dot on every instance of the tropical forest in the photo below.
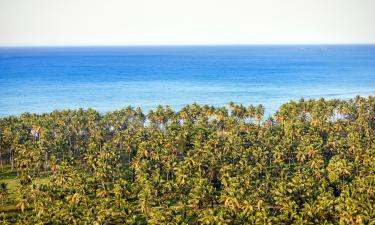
(311, 162)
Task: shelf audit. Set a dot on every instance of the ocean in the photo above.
(42, 79)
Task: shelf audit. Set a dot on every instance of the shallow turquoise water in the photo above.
(108, 78)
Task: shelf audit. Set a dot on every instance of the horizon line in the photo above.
(184, 45)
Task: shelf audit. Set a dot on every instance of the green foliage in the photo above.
(311, 163)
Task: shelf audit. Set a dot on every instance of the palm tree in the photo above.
(259, 112)
(250, 112)
(3, 192)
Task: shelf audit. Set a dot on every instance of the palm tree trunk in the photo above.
(11, 158)
(45, 160)
(1, 161)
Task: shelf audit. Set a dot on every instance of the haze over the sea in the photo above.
(108, 78)
(185, 22)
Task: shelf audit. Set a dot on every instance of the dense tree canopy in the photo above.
(313, 162)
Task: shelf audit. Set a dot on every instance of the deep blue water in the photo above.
(108, 78)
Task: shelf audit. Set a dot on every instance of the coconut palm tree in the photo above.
(3, 192)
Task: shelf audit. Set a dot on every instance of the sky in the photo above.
(185, 22)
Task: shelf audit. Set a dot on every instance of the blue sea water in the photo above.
(108, 78)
